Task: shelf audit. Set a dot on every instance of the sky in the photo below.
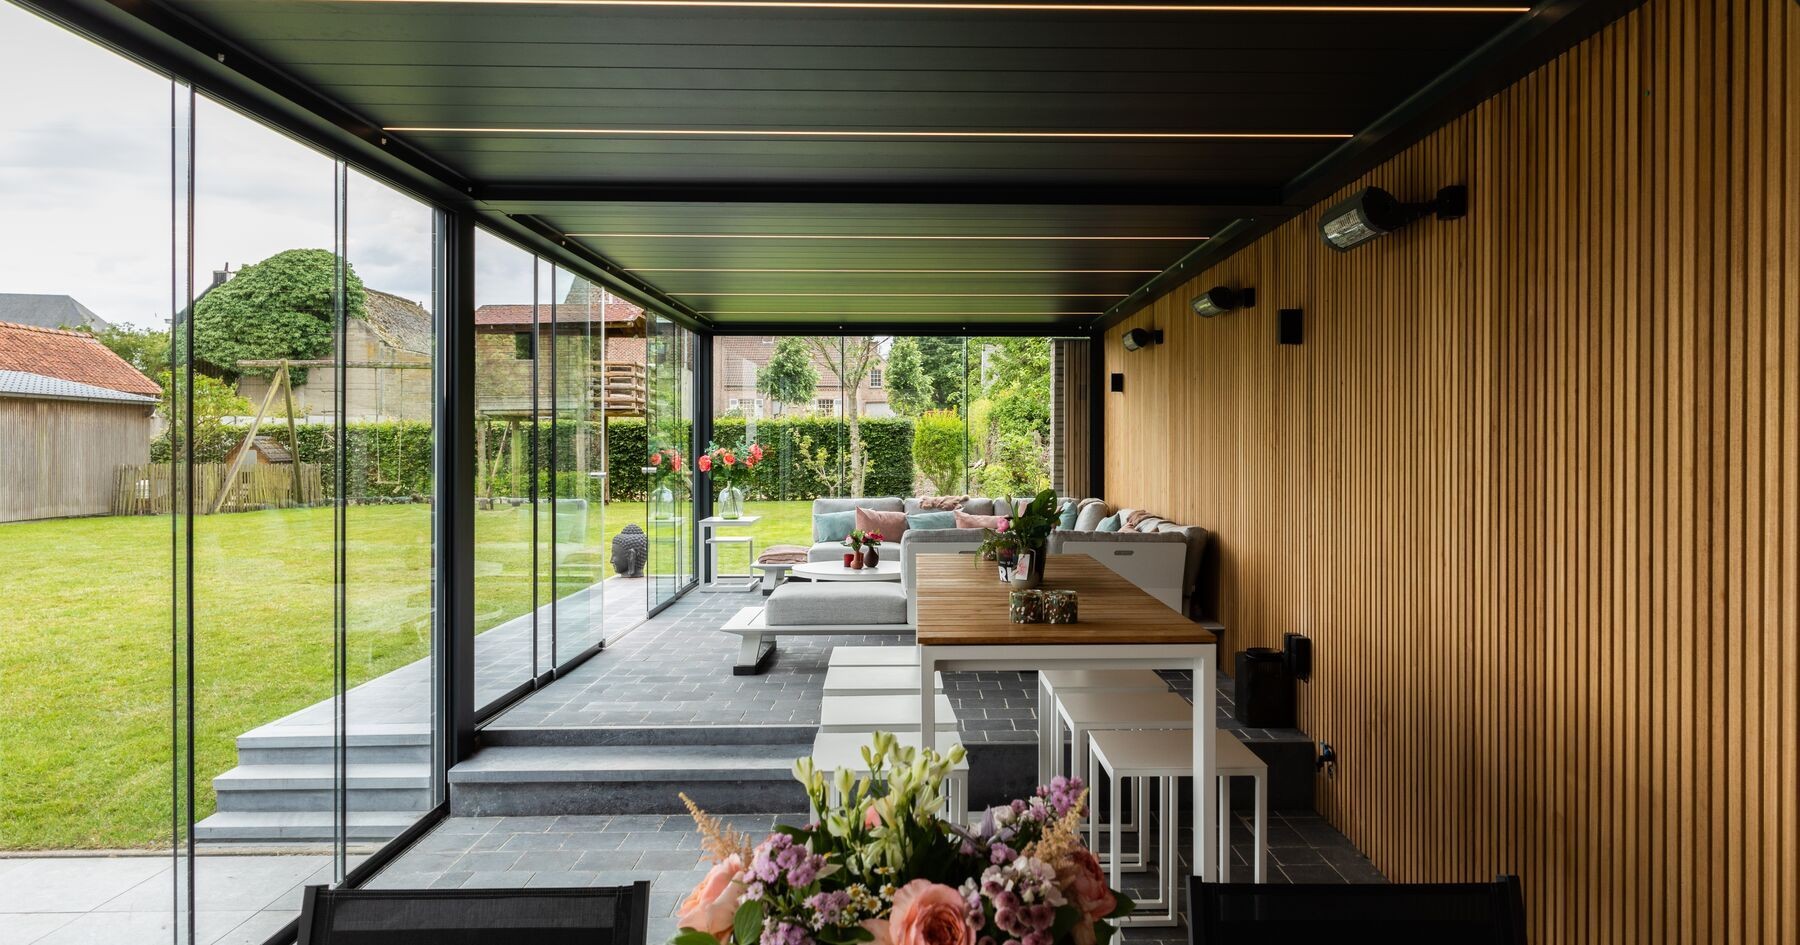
(85, 183)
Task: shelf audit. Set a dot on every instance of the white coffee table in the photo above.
(835, 571)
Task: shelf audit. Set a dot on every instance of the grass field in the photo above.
(85, 650)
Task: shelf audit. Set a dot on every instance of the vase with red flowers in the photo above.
(872, 548)
(730, 467)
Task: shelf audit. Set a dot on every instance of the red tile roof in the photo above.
(616, 313)
(69, 355)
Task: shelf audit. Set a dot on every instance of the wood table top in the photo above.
(964, 604)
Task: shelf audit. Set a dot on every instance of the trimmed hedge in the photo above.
(392, 459)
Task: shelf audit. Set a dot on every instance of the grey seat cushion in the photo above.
(827, 551)
(836, 602)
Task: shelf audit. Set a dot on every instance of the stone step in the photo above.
(627, 779)
(296, 826)
(667, 735)
(312, 787)
(325, 754)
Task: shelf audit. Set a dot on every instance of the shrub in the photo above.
(939, 449)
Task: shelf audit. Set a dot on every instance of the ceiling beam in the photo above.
(1231, 201)
(1550, 29)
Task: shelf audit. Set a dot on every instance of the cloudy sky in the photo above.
(84, 177)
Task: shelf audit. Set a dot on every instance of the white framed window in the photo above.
(875, 377)
(826, 405)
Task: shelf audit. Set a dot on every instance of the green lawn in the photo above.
(85, 651)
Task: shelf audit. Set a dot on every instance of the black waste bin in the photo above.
(1265, 689)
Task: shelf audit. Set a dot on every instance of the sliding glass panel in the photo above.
(266, 534)
(382, 388)
(507, 363)
(1009, 415)
(545, 445)
(579, 563)
(619, 416)
(669, 432)
(85, 523)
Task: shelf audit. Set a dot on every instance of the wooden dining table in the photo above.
(963, 624)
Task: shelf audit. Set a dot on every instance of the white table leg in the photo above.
(927, 704)
(1261, 846)
(1205, 764)
(1224, 847)
(1046, 731)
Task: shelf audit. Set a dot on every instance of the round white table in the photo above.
(835, 571)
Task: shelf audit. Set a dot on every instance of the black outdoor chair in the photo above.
(590, 916)
(1333, 914)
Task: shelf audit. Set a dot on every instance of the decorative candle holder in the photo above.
(1026, 607)
(1061, 606)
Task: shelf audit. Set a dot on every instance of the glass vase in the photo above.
(731, 503)
(662, 504)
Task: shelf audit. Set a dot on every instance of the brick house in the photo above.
(389, 377)
(738, 359)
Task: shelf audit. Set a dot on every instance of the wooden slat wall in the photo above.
(1531, 485)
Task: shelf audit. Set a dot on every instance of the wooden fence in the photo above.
(146, 489)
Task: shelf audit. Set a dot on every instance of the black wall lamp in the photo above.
(1290, 328)
(1372, 212)
(1220, 299)
(1118, 383)
(1142, 338)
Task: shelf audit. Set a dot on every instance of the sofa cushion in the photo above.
(965, 520)
(834, 526)
(918, 520)
(976, 506)
(879, 503)
(1091, 512)
(891, 525)
(827, 551)
(1066, 517)
(1108, 524)
(836, 602)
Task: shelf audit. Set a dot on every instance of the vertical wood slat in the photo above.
(1532, 485)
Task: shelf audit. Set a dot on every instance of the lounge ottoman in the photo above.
(816, 609)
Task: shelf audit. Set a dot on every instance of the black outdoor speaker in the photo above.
(1291, 326)
(1265, 689)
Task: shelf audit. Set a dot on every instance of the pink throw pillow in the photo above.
(891, 525)
(965, 520)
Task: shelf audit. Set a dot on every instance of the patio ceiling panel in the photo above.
(783, 118)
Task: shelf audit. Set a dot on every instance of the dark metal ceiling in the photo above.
(766, 164)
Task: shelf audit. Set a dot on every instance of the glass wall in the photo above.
(229, 658)
(668, 430)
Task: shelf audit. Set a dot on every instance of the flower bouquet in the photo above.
(728, 469)
(880, 866)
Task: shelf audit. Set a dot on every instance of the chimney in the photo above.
(222, 276)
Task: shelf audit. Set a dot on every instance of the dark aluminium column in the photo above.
(703, 434)
(453, 510)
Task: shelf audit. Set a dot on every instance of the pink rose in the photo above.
(880, 929)
(928, 913)
(705, 464)
(713, 904)
(1083, 883)
(1000, 526)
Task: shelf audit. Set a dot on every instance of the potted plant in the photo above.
(1026, 534)
(729, 468)
(854, 542)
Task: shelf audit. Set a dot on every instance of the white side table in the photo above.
(709, 536)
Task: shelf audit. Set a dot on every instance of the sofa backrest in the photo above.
(1155, 561)
(872, 503)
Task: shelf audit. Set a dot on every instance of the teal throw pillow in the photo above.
(834, 526)
(1068, 515)
(918, 520)
(1110, 523)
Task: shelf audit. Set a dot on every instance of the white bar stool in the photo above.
(1051, 682)
(874, 656)
(835, 751)
(875, 680)
(1168, 756)
(1124, 709)
(883, 713)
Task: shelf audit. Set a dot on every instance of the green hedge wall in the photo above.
(392, 459)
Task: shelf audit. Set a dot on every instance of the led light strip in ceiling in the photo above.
(923, 272)
(907, 295)
(990, 6)
(868, 236)
(836, 314)
(846, 133)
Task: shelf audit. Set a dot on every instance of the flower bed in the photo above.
(881, 866)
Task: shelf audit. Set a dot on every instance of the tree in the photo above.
(789, 377)
(146, 348)
(909, 390)
(942, 361)
(851, 359)
(282, 307)
(213, 399)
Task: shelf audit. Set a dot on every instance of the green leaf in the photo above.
(1104, 932)
(747, 924)
(1067, 917)
(693, 937)
(1123, 905)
